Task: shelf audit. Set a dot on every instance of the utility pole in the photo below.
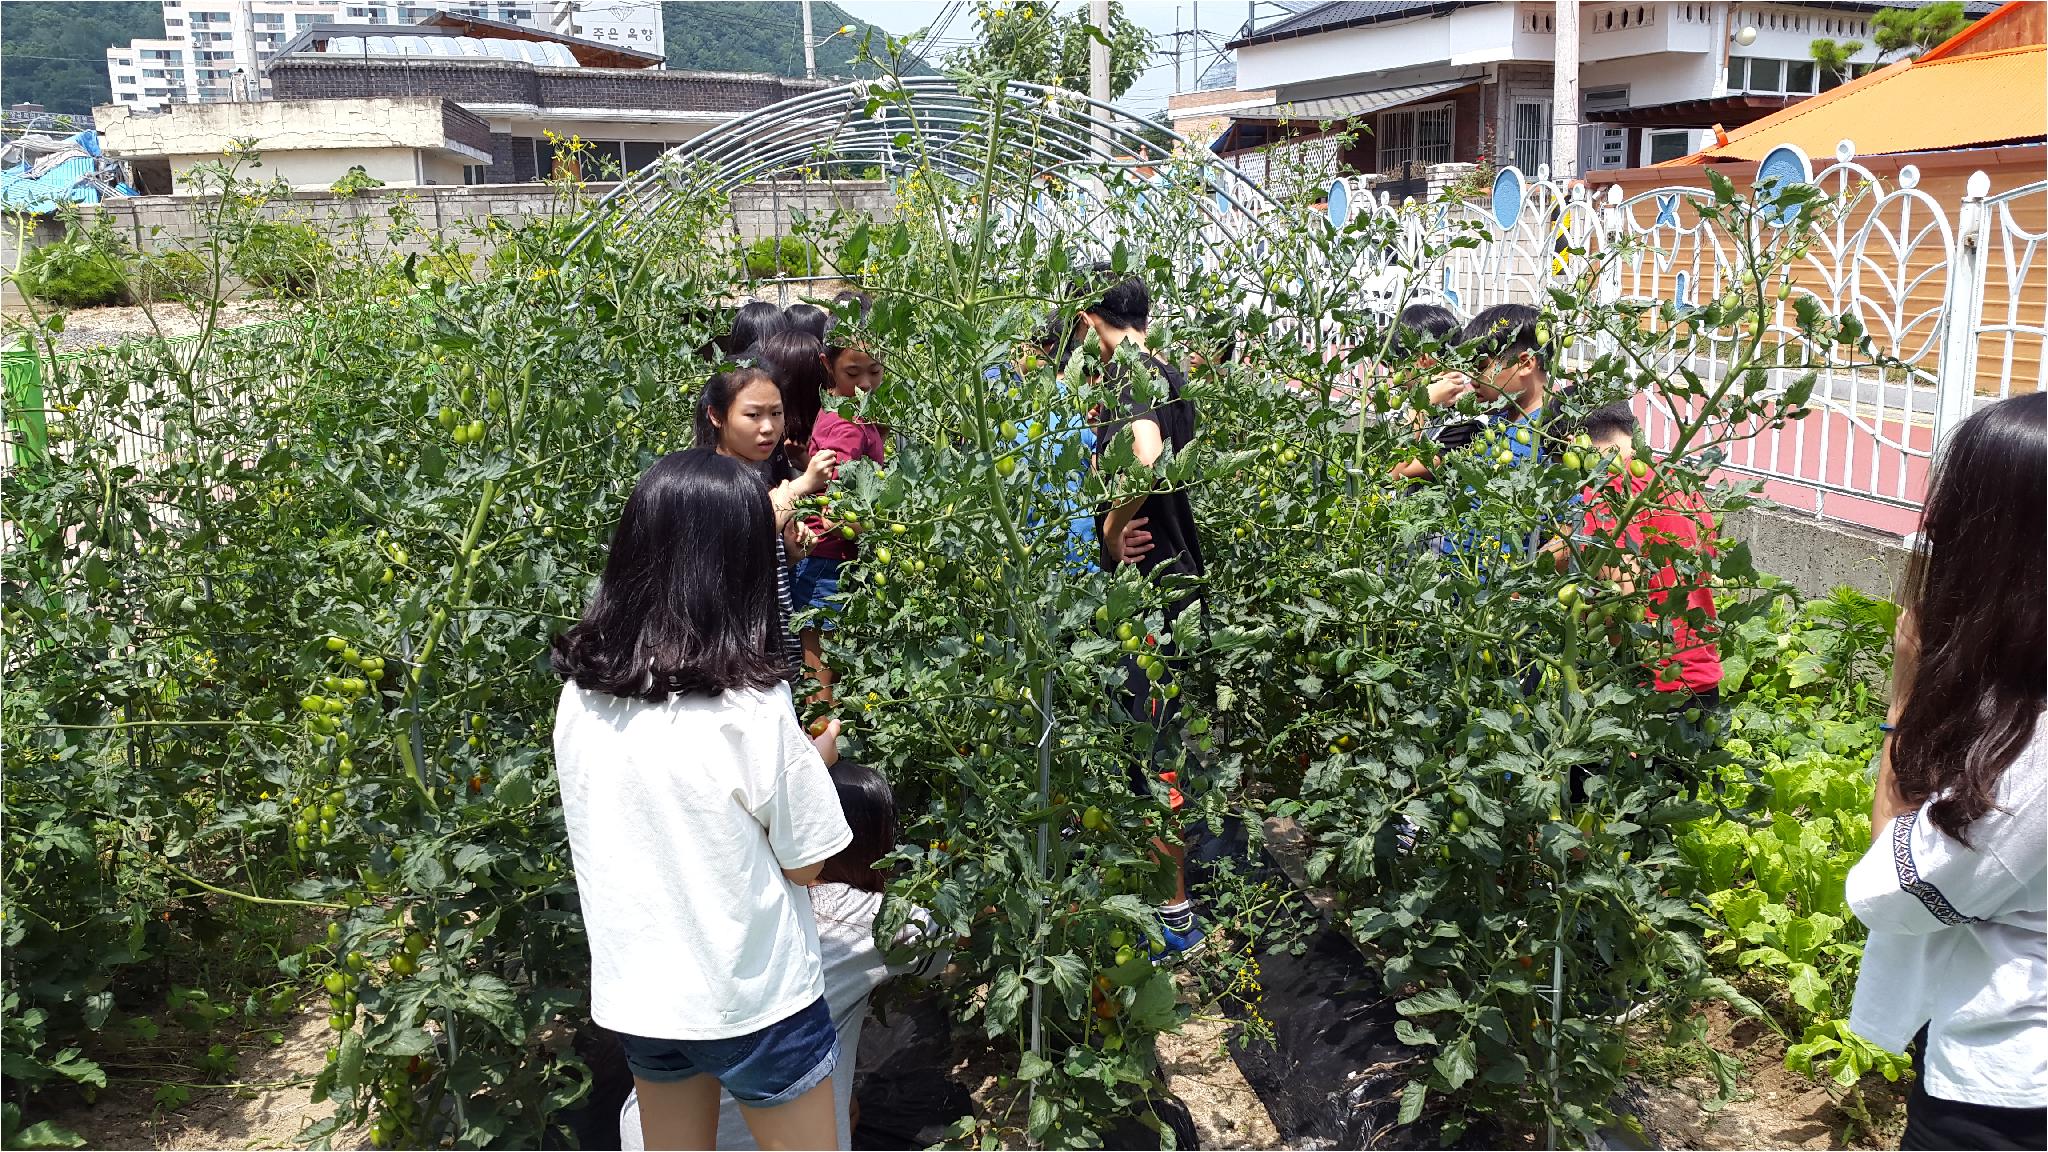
(1176, 50)
(1564, 95)
(1098, 52)
(1195, 38)
(810, 48)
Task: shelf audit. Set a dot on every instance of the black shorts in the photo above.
(1161, 715)
(1932, 1122)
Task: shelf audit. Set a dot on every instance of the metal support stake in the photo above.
(1556, 1014)
(1955, 378)
(1044, 851)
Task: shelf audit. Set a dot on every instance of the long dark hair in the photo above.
(755, 321)
(796, 360)
(1976, 588)
(807, 318)
(718, 395)
(861, 305)
(686, 604)
(870, 810)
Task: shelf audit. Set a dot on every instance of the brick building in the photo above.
(517, 97)
(527, 84)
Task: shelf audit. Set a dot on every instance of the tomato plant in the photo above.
(279, 600)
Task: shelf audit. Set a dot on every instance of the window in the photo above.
(1772, 77)
(1420, 136)
(1670, 145)
(1604, 145)
(641, 153)
(1529, 146)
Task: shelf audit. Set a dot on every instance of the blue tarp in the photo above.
(72, 172)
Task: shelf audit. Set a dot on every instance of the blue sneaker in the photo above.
(1181, 943)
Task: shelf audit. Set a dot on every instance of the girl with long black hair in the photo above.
(796, 361)
(697, 813)
(739, 414)
(1954, 888)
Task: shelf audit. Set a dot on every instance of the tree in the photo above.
(1832, 57)
(56, 54)
(1912, 31)
(761, 36)
(1038, 45)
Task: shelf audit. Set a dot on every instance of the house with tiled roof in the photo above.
(1997, 70)
(1400, 86)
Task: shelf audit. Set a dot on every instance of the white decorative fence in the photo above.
(1957, 291)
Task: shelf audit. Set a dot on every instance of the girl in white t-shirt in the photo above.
(697, 814)
(847, 899)
(1954, 888)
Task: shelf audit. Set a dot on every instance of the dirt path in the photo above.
(270, 1114)
(1199, 1070)
(1773, 1107)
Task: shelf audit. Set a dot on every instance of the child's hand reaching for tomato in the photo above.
(825, 738)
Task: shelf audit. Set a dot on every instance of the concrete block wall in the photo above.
(458, 213)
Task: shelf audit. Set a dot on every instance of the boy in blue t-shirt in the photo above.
(1511, 370)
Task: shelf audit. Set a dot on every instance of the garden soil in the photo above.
(270, 1116)
(93, 327)
(1773, 1106)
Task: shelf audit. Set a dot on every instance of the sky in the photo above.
(1220, 18)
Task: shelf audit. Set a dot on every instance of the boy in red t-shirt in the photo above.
(1671, 518)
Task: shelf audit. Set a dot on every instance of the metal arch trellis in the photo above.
(1058, 157)
(1059, 143)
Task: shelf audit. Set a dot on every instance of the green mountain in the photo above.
(761, 36)
(54, 53)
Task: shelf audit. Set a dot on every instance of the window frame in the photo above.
(1412, 152)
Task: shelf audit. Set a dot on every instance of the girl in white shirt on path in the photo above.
(1954, 888)
(847, 898)
(697, 813)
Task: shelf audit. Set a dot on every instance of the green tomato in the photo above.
(1568, 595)
(1125, 631)
(1573, 462)
(1638, 469)
(335, 983)
(1118, 938)
(1006, 466)
(881, 555)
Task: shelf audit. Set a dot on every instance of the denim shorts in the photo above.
(815, 579)
(774, 1065)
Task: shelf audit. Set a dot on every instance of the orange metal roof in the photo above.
(1924, 106)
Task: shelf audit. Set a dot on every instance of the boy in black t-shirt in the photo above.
(1123, 314)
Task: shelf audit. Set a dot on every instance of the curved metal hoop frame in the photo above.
(931, 124)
